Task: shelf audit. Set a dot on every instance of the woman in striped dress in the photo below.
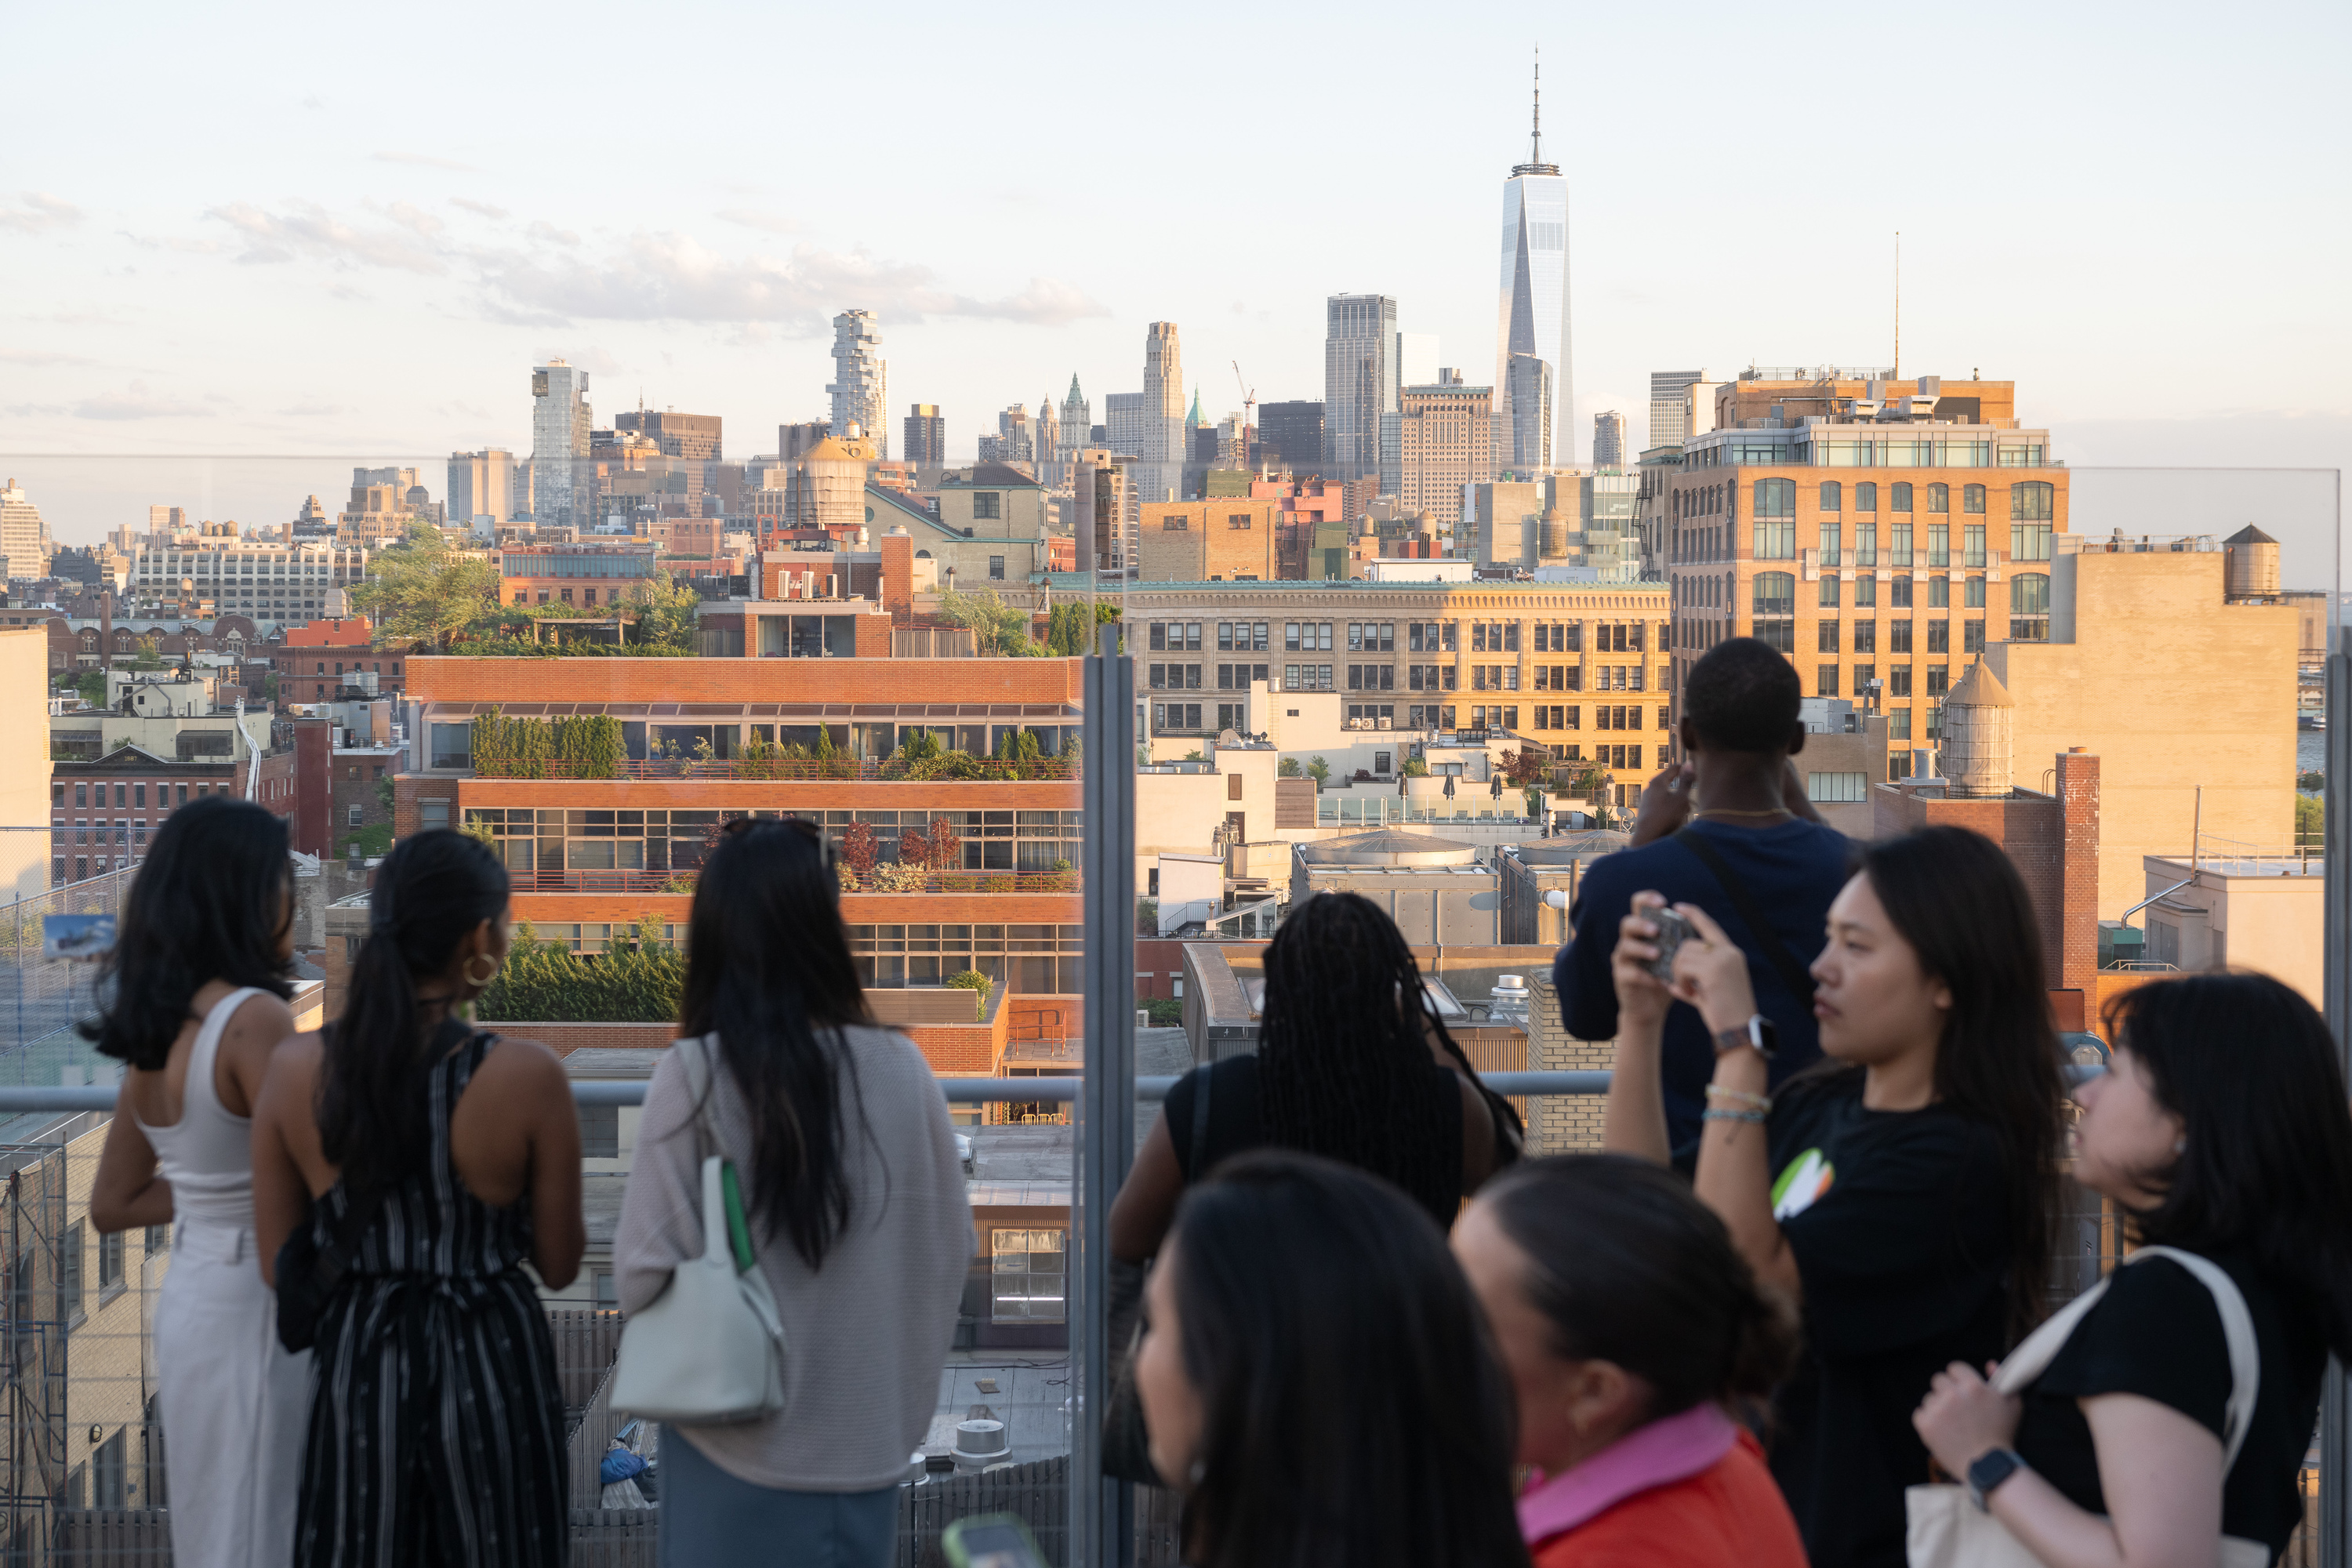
(436, 1421)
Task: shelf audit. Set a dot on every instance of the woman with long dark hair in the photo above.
(437, 1160)
(1901, 1191)
(1316, 1379)
(1353, 1063)
(854, 1200)
(1637, 1339)
(196, 1003)
(2221, 1133)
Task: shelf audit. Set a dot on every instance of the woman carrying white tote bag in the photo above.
(2162, 1419)
(854, 1219)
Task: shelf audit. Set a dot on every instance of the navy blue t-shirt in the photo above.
(1792, 871)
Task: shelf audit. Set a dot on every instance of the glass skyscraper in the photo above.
(1532, 315)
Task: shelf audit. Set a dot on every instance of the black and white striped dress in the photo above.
(436, 1420)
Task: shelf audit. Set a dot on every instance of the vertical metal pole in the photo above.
(1102, 1522)
(2336, 1405)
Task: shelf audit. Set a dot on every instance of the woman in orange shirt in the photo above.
(1635, 1334)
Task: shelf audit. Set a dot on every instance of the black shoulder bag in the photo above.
(1784, 963)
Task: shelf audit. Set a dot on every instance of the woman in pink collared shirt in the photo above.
(1632, 1331)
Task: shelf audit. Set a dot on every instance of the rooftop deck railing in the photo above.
(956, 768)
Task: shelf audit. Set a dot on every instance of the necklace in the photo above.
(1729, 811)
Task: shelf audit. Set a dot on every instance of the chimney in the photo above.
(898, 573)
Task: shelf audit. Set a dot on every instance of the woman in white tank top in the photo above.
(198, 992)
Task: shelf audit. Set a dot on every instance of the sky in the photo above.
(334, 236)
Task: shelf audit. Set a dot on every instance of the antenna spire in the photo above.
(1535, 163)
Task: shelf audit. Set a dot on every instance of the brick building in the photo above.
(1878, 532)
(315, 663)
(103, 811)
(589, 855)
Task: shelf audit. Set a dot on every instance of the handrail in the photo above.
(16, 1100)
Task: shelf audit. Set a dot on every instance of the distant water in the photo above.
(2310, 752)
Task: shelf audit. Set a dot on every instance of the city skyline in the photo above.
(213, 294)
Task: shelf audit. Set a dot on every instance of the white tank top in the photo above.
(207, 1154)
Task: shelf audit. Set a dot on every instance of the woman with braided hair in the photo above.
(1353, 1064)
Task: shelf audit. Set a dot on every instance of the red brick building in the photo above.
(317, 662)
(966, 873)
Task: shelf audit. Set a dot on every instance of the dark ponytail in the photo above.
(211, 901)
(1630, 1268)
(431, 890)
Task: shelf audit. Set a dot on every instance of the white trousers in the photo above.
(234, 1404)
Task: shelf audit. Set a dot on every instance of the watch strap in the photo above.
(1987, 1471)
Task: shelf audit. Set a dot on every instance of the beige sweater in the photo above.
(864, 1338)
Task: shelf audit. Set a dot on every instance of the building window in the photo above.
(110, 1265)
(355, 814)
(1837, 789)
(1972, 637)
(1939, 637)
(1829, 593)
(1939, 593)
(432, 812)
(1826, 633)
(2032, 499)
(1833, 496)
(996, 568)
(1865, 496)
(1973, 498)
(1899, 594)
(1939, 680)
(2029, 607)
(1026, 1280)
(1898, 497)
(1974, 594)
(1825, 682)
(1898, 636)
(1776, 594)
(1865, 593)
(2028, 540)
(985, 506)
(1898, 680)
(1865, 636)
(1898, 724)
(70, 1266)
(1774, 497)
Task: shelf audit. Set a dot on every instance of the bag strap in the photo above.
(694, 1060)
(2237, 1331)
(2034, 1353)
(1199, 1151)
(1784, 963)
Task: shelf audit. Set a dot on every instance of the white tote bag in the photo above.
(1947, 1529)
(710, 1349)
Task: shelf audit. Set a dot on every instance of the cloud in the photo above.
(541, 230)
(592, 359)
(39, 358)
(423, 222)
(40, 212)
(312, 408)
(482, 208)
(173, 242)
(772, 223)
(306, 229)
(137, 403)
(423, 161)
(670, 277)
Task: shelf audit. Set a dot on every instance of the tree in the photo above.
(2311, 782)
(1319, 771)
(420, 590)
(860, 849)
(1525, 767)
(1287, 768)
(2310, 821)
(666, 618)
(996, 627)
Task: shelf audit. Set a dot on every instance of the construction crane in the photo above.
(1249, 416)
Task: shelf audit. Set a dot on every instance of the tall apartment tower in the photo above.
(926, 435)
(1669, 414)
(1526, 385)
(861, 379)
(481, 489)
(561, 475)
(1048, 426)
(1163, 413)
(1608, 442)
(1359, 382)
(1532, 315)
(26, 547)
(1447, 443)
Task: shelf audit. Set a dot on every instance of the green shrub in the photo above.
(639, 980)
(1166, 1012)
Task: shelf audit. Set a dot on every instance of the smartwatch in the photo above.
(1987, 1471)
(1757, 1035)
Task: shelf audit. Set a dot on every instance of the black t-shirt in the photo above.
(1900, 1230)
(1792, 871)
(1235, 1124)
(2156, 1333)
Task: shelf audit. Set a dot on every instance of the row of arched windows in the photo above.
(2028, 500)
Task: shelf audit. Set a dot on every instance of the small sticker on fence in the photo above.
(77, 936)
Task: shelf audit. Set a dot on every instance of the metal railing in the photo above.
(890, 878)
(953, 768)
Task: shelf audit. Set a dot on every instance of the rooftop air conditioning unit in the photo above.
(1385, 723)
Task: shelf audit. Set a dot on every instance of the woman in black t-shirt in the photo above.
(1900, 1192)
(2221, 1131)
(1353, 1063)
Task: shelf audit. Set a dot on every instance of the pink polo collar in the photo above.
(1672, 1450)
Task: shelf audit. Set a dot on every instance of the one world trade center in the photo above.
(1534, 385)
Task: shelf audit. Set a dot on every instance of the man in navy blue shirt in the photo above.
(1737, 791)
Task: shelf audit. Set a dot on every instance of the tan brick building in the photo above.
(1447, 442)
(1879, 533)
(1226, 540)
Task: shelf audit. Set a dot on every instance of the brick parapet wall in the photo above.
(2078, 798)
(441, 678)
(1561, 1124)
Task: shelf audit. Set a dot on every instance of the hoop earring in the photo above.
(483, 980)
